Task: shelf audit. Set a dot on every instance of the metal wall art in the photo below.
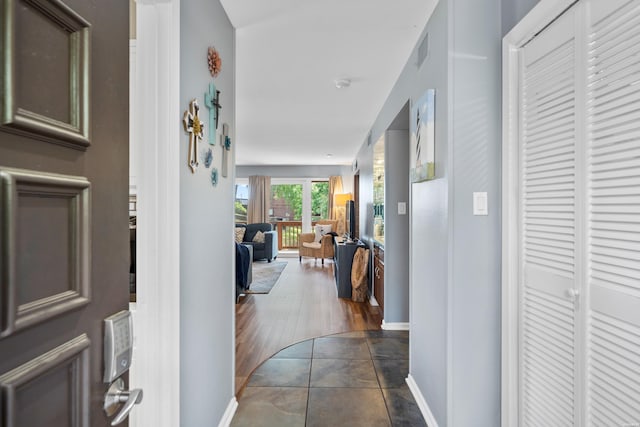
(226, 147)
(212, 102)
(194, 127)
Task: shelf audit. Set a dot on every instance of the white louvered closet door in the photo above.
(579, 151)
(613, 114)
(548, 228)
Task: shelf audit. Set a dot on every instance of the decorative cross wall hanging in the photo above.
(195, 128)
(212, 102)
(226, 146)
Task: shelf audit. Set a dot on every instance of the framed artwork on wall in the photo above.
(423, 138)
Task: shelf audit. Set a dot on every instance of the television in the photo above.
(350, 219)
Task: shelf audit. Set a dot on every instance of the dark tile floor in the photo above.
(352, 379)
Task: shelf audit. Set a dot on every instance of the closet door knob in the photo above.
(573, 294)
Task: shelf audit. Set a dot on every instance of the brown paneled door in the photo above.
(64, 239)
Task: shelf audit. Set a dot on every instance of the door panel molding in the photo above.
(16, 183)
(15, 119)
(75, 355)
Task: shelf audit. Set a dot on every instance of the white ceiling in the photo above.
(288, 54)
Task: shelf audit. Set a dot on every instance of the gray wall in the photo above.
(455, 256)
(428, 216)
(475, 257)
(513, 11)
(365, 170)
(207, 256)
(300, 171)
(396, 227)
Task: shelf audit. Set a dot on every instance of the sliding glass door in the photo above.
(295, 205)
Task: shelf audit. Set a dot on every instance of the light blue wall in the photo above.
(396, 227)
(428, 217)
(513, 11)
(474, 281)
(455, 256)
(365, 171)
(207, 326)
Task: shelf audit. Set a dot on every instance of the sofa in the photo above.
(261, 250)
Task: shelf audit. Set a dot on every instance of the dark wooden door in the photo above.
(63, 205)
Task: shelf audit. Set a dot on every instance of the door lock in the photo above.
(117, 395)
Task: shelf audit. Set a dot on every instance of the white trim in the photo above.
(229, 413)
(536, 20)
(422, 403)
(157, 102)
(373, 302)
(510, 272)
(395, 326)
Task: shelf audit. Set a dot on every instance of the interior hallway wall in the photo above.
(455, 256)
(396, 226)
(428, 215)
(513, 11)
(207, 256)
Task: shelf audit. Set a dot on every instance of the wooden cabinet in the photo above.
(378, 276)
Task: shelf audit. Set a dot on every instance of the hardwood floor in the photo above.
(302, 305)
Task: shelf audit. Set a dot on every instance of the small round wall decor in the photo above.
(215, 62)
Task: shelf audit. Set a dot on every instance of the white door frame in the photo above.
(538, 18)
(157, 126)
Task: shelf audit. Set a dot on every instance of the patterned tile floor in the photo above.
(352, 379)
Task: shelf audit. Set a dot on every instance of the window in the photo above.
(319, 200)
(242, 200)
(286, 202)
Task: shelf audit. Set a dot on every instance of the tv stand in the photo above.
(343, 258)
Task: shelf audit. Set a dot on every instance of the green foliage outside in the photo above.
(292, 193)
(241, 212)
(319, 200)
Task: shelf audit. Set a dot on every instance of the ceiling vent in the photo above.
(423, 50)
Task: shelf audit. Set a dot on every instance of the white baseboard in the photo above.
(395, 326)
(422, 403)
(229, 413)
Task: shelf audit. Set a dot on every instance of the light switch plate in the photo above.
(480, 203)
(402, 208)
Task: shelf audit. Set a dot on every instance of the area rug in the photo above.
(265, 275)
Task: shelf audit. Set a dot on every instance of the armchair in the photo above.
(323, 249)
(267, 250)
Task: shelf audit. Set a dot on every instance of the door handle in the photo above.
(573, 294)
(117, 395)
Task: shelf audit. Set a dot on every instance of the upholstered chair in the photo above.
(266, 249)
(322, 249)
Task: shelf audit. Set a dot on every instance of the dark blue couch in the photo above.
(267, 250)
